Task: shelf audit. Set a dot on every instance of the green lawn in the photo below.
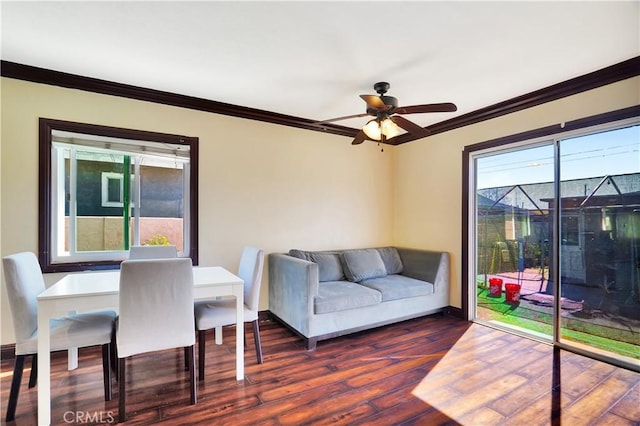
(539, 321)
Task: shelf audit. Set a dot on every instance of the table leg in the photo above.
(239, 334)
(218, 335)
(72, 354)
(72, 358)
(44, 366)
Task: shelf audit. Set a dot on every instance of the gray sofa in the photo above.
(325, 294)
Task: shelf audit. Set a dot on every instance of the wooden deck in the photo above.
(428, 371)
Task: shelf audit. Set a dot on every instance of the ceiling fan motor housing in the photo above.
(390, 102)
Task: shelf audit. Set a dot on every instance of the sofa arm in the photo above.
(293, 285)
(425, 265)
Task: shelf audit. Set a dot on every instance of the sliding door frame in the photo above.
(550, 134)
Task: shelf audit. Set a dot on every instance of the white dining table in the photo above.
(93, 291)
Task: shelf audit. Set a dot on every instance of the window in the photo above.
(112, 189)
(570, 230)
(103, 189)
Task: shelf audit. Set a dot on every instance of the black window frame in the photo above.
(46, 127)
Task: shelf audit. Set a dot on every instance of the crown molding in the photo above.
(614, 73)
(89, 84)
(620, 71)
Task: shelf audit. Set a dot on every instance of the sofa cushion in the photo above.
(343, 295)
(391, 259)
(329, 265)
(298, 253)
(361, 264)
(395, 287)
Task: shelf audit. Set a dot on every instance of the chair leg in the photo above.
(256, 338)
(115, 365)
(18, 367)
(201, 351)
(33, 377)
(122, 415)
(191, 355)
(106, 371)
(114, 354)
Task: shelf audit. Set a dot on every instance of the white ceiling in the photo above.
(313, 59)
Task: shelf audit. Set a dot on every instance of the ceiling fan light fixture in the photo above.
(389, 128)
(372, 130)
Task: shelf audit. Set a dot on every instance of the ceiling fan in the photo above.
(388, 118)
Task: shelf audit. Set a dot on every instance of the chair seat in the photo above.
(79, 331)
(218, 313)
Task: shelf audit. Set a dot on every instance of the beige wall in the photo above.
(267, 185)
(278, 187)
(428, 173)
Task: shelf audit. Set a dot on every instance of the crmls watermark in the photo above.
(80, 417)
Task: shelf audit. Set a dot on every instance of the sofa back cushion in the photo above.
(298, 253)
(362, 264)
(329, 265)
(391, 259)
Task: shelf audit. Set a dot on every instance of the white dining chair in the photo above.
(24, 282)
(155, 252)
(218, 313)
(156, 313)
(152, 252)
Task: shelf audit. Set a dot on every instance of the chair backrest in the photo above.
(250, 270)
(156, 306)
(153, 252)
(24, 281)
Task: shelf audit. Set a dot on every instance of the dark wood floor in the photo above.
(428, 371)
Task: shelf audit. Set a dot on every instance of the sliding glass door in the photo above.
(513, 235)
(555, 240)
(599, 215)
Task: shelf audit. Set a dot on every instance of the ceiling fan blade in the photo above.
(360, 137)
(346, 117)
(374, 101)
(418, 109)
(409, 126)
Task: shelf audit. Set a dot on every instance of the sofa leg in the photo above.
(311, 344)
